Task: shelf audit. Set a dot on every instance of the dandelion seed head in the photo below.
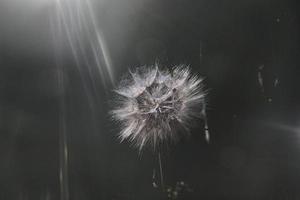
(153, 104)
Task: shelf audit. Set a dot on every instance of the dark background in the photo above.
(255, 141)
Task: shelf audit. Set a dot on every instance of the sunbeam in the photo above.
(75, 22)
(85, 39)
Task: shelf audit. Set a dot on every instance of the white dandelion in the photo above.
(156, 106)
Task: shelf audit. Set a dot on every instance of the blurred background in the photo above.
(60, 60)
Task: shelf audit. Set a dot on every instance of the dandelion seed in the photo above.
(260, 78)
(154, 103)
(276, 82)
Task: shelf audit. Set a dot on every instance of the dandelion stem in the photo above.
(161, 171)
